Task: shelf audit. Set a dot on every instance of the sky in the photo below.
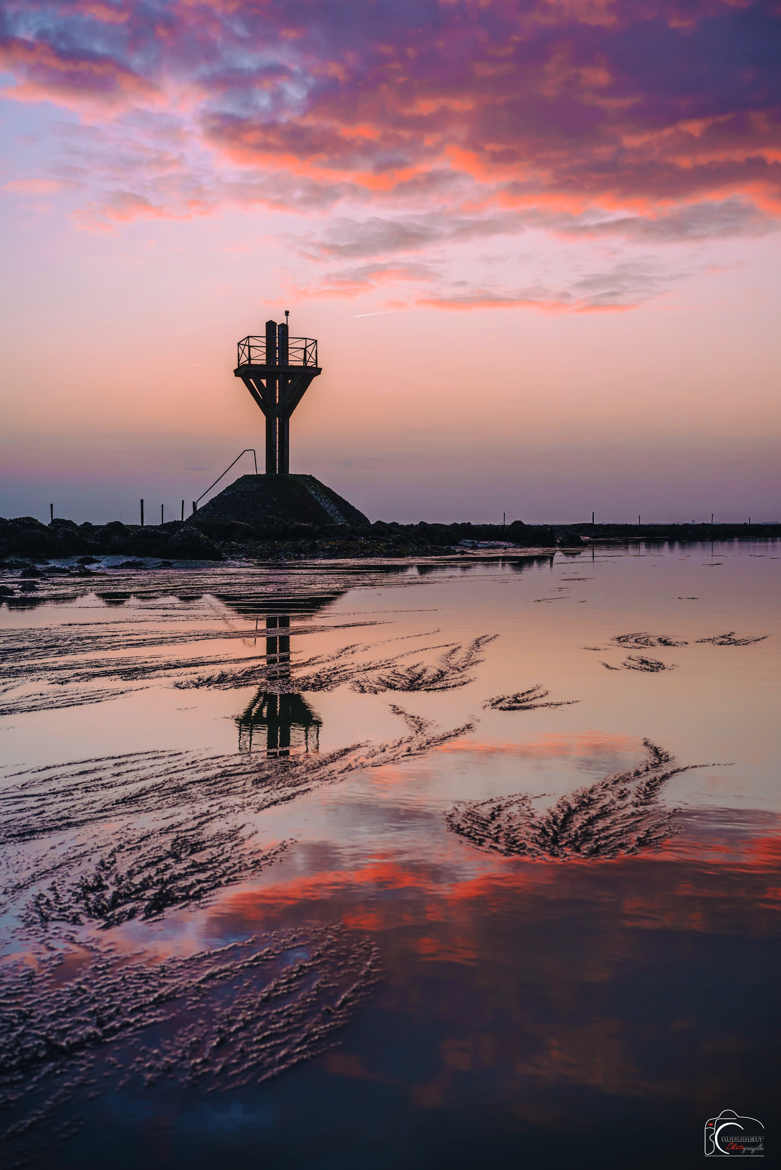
(538, 243)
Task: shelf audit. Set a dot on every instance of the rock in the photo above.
(113, 536)
(26, 536)
(568, 537)
(225, 528)
(191, 544)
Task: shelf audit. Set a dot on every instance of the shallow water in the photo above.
(266, 767)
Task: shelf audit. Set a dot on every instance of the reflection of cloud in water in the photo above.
(545, 978)
(589, 744)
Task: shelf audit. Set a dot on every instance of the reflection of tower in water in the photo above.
(279, 721)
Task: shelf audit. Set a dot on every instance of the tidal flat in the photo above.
(390, 863)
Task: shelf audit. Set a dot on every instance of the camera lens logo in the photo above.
(732, 1135)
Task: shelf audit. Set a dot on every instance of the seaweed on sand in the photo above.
(321, 672)
(732, 639)
(143, 875)
(643, 663)
(452, 670)
(346, 666)
(529, 700)
(641, 640)
(618, 815)
(648, 665)
(219, 1019)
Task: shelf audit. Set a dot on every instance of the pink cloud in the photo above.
(105, 13)
(34, 186)
(658, 121)
(74, 80)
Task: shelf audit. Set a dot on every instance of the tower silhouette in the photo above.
(290, 724)
(277, 370)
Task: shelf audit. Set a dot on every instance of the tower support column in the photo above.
(271, 444)
(283, 426)
(283, 445)
(272, 401)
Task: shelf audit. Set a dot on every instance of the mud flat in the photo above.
(136, 835)
(218, 1019)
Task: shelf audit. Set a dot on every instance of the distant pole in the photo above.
(638, 519)
(711, 517)
(592, 517)
(141, 502)
(162, 513)
(504, 519)
(195, 507)
(51, 513)
(183, 509)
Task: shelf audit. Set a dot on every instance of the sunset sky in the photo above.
(537, 241)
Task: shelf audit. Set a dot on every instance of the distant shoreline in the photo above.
(197, 538)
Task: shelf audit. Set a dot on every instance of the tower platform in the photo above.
(287, 499)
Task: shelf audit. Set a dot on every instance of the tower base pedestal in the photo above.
(264, 500)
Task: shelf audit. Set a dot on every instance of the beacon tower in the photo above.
(277, 370)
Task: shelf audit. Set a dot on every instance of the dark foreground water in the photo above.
(247, 918)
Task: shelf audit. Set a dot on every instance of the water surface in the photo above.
(456, 1005)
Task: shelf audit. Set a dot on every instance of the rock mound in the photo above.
(266, 502)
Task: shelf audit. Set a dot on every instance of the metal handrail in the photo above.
(251, 351)
(246, 451)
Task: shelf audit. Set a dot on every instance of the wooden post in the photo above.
(592, 517)
(162, 513)
(141, 502)
(195, 507)
(183, 509)
(51, 513)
